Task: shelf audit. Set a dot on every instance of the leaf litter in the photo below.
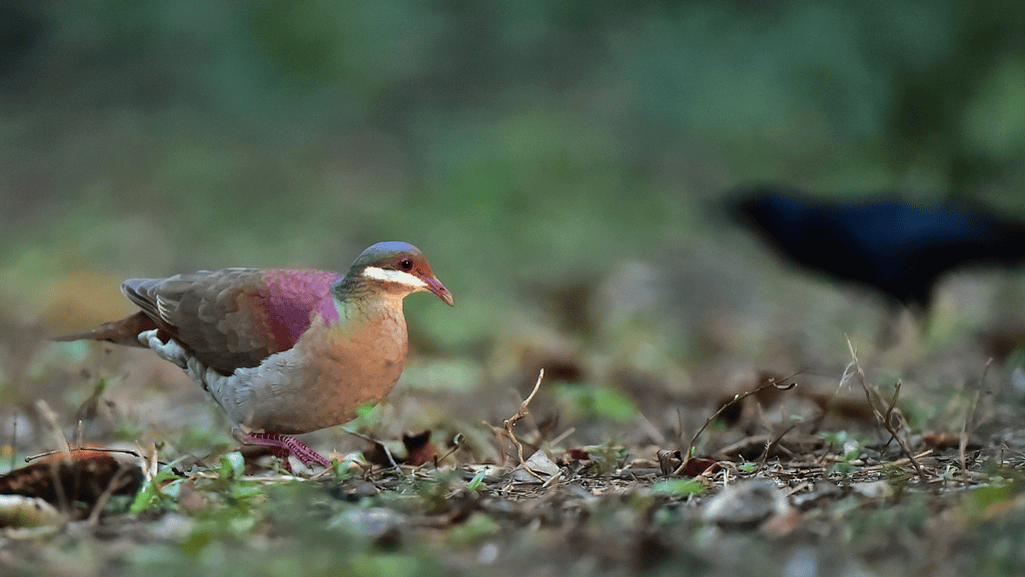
(745, 494)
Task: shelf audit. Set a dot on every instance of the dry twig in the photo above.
(736, 398)
(31, 458)
(772, 444)
(520, 413)
(51, 419)
(970, 418)
(116, 482)
(384, 447)
(897, 463)
(884, 419)
(511, 422)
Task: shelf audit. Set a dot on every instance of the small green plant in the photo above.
(591, 402)
(607, 457)
(851, 450)
(678, 487)
(475, 482)
(159, 492)
(231, 466)
(214, 523)
(477, 528)
(368, 416)
(434, 490)
(342, 469)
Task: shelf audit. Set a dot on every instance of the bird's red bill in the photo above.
(434, 285)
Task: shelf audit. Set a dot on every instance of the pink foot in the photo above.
(284, 446)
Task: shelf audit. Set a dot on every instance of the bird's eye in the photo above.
(405, 264)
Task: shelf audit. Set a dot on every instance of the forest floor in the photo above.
(797, 475)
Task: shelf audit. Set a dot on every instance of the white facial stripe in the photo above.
(395, 276)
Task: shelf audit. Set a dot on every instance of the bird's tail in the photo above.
(123, 332)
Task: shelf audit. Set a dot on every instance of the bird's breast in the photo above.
(375, 349)
(332, 370)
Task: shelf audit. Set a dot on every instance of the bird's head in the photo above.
(397, 268)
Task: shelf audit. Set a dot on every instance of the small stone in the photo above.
(746, 504)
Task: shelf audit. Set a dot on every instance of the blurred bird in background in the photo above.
(897, 247)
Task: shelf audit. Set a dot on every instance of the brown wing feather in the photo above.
(207, 312)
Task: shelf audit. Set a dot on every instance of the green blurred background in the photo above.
(558, 162)
(562, 164)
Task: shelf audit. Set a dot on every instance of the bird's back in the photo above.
(236, 317)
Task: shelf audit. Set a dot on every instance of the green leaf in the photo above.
(983, 497)
(341, 469)
(477, 527)
(477, 479)
(367, 416)
(232, 466)
(154, 492)
(678, 487)
(598, 403)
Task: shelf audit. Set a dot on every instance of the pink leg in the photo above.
(283, 446)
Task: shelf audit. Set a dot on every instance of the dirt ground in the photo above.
(801, 474)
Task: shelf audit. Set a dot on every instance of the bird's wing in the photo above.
(235, 317)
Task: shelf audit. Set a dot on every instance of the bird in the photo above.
(895, 246)
(281, 351)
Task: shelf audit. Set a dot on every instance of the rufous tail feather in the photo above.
(122, 332)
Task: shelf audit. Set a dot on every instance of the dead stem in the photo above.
(51, 419)
(14, 443)
(679, 424)
(897, 463)
(772, 444)
(384, 447)
(31, 458)
(116, 482)
(562, 437)
(884, 418)
(58, 488)
(970, 418)
(736, 398)
(449, 453)
(150, 463)
(511, 422)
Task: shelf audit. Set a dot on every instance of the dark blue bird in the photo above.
(895, 246)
